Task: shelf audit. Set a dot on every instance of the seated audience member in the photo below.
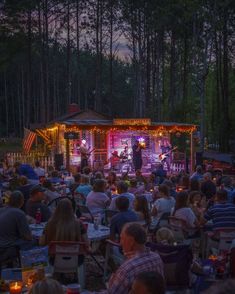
(76, 183)
(112, 179)
(84, 188)
(35, 203)
(122, 188)
(164, 203)
(55, 177)
(39, 170)
(97, 200)
(160, 174)
(222, 213)
(197, 202)
(50, 192)
(165, 236)
(46, 286)
(27, 171)
(184, 182)
(13, 223)
(148, 283)
(133, 189)
(25, 188)
(121, 218)
(227, 186)
(208, 188)
(141, 209)
(63, 225)
(141, 180)
(197, 175)
(182, 211)
(194, 185)
(139, 259)
(170, 185)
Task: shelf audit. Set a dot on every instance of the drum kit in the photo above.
(122, 162)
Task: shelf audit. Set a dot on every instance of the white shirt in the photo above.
(130, 196)
(187, 215)
(164, 205)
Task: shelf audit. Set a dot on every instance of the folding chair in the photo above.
(66, 258)
(177, 264)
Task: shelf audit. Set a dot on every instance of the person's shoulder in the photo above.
(16, 211)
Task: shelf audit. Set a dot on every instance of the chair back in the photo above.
(85, 212)
(177, 262)
(66, 255)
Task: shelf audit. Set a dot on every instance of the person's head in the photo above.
(163, 190)
(133, 183)
(55, 174)
(122, 187)
(221, 195)
(141, 205)
(23, 180)
(16, 199)
(133, 238)
(165, 236)
(194, 184)
(148, 283)
(86, 170)
(99, 185)
(99, 175)
(37, 163)
(77, 178)
(185, 181)
(207, 176)
(195, 197)
(122, 203)
(64, 210)
(46, 286)
(48, 185)
(181, 200)
(199, 169)
(112, 177)
(85, 180)
(37, 193)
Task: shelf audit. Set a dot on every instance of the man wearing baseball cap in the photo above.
(35, 203)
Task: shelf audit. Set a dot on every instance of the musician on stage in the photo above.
(85, 152)
(166, 149)
(137, 155)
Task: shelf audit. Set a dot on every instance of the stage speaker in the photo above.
(58, 161)
(199, 158)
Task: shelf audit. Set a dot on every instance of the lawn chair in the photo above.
(65, 256)
(177, 264)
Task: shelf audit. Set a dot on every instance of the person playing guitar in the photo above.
(85, 154)
(166, 151)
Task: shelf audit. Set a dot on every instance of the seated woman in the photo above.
(64, 226)
(164, 203)
(141, 209)
(84, 188)
(197, 202)
(182, 211)
(97, 200)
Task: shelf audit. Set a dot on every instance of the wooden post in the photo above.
(67, 155)
(191, 153)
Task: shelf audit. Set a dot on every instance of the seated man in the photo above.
(139, 259)
(222, 213)
(122, 189)
(122, 217)
(148, 283)
(35, 203)
(14, 230)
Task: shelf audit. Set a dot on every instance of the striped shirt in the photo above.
(121, 281)
(222, 216)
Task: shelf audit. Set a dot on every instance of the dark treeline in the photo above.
(167, 60)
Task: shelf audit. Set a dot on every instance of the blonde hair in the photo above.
(46, 286)
(165, 236)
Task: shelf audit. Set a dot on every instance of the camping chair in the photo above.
(177, 264)
(66, 258)
(85, 212)
(112, 252)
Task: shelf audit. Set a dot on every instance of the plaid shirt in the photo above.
(121, 281)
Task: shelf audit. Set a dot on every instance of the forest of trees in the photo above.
(167, 60)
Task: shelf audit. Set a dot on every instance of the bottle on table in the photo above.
(38, 216)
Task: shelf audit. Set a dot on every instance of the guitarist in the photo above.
(85, 153)
(166, 150)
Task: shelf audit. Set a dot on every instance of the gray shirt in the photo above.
(14, 226)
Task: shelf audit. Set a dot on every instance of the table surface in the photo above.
(103, 232)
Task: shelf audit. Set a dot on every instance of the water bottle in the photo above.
(38, 216)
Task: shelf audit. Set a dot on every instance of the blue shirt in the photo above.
(84, 189)
(222, 216)
(120, 219)
(27, 171)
